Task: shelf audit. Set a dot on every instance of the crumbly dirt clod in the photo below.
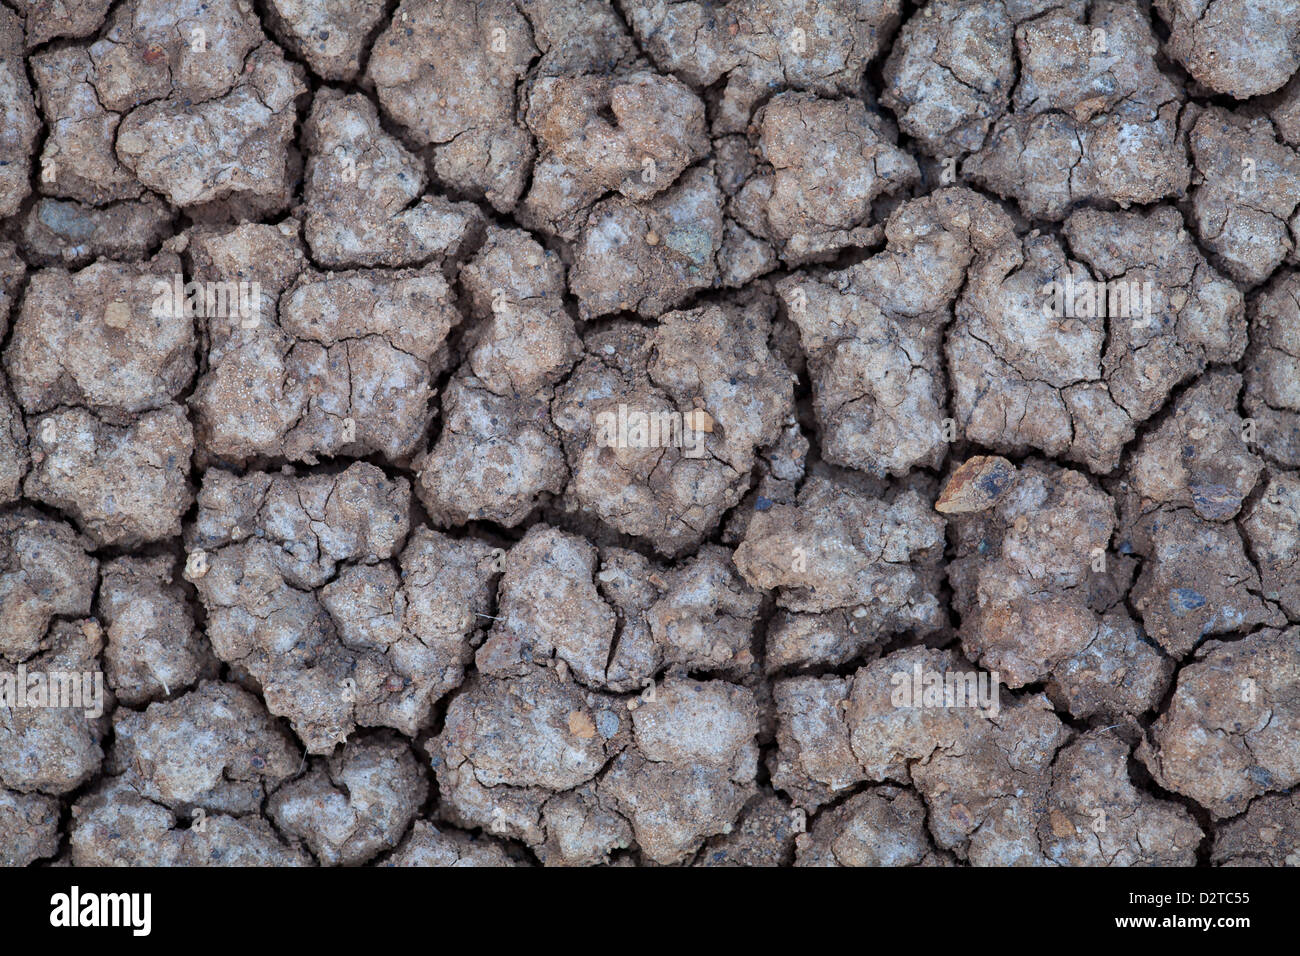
(824, 163)
(872, 333)
(748, 43)
(1234, 47)
(20, 124)
(355, 804)
(55, 748)
(29, 827)
(1092, 117)
(705, 382)
(364, 201)
(499, 452)
(1265, 835)
(1272, 372)
(153, 649)
(1096, 817)
(1248, 191)
(428, 846)
(950, 74)
(1229, 733)
(839, 548)
(45, 572)
(884, 826)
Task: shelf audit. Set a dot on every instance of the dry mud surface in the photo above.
(573, 432)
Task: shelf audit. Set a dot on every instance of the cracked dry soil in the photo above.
(574, 432)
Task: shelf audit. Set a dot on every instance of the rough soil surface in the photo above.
(619, 432)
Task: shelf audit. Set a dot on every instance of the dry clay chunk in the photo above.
(840, 548)
(1197, 581)
(190, 66)
(29, 827)
(577, 36)
(114, 826)
(47, 19)
(447, 70)
(818, 640)
(1096, 817)
(698, 616)
(123, 485)
(188, 97)
(519, 758)
(511, 747)
(1117, 673)
(378, 644)
(215, 747)
(245, 401)
(632, 134)
(760, 45)
(498, 450)
(691, 768)
(428, 846)
(982, 764)
(45, 572)
(329, 34)
(549, 607)
(884, 826)
(1270, 527)
(1091, 120)
(366, 349)
(1198, 457)
(704, 618)
(232, 148)
(1273, 370)
(345, 368)
(48, 745)
(764, 835)
(78, 160)
(987, 793)
(1230, 732)
(950, 74)
(1045, 355)
(828, 160)
(497, 457)
(153, 648)
(872, 333)
(1239, 47)
(836, 732)
(780, 469)
(423, 619)
(648, 257)
(1283, 108)
(356, 804)
(260, 546)
(1020, 582)
(523, 338)
(73, 234)
(661, 427)
(13, 269)
(1181, 313)
(1268, 834)
(1244, 206)
(18, 122)
(362, 192)
(103, 338)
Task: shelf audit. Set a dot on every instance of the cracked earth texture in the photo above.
(968, 533)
